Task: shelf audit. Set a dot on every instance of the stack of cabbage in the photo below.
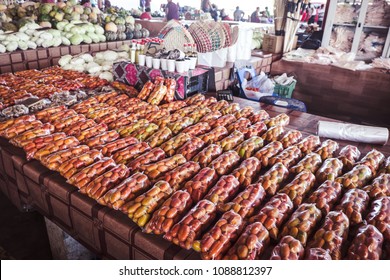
(14, 16)
(30, 36)
(99, 65)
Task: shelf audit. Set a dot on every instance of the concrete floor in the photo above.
(22, 235)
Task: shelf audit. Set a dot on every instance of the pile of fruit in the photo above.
(120, 24)
(31, 36)
(100, 65)
(49, 15)
(32, 90)
(228, 182)
(30, 25)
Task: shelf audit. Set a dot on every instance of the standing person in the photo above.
(321, 14)
(238, 14)
(171, 11)
(142, 5)
(312, 13)
(214, 12)
(305, 15)
(147, 4)
(255, 15)
(206, 6)
(268, 14)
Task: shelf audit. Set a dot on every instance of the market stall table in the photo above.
(106, 232)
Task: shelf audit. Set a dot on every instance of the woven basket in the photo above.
(175, 36)
(210, 36)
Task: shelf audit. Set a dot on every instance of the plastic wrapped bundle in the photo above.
(268, 152)
(126, 191)
(317, 254)
(225, 163)
(231, 141)
(327, 149)
(247, 171)
(309, 144)
(354, 203)
(169, 213)
(141, 209)
(358, 177)
(207, 155)
(330, 170)
(288, 157)
(249, 147)
(325, 196)
(251, 243)
(386, 167)
(332, 234)
(197, 129)
(311, 162)
(379, 187)
(379, 216)
(178, 176)
(302, 222)
(372, 159)
(367, 244)
(221, 236)
(198, 186)
(288, 248)
(191, 226)
(246, 202)
(273, 178)
(224, 190)
(299, 187)
(348, 156)
(73, 165)
(274, 213)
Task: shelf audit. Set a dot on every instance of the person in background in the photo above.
(238, 14)
(146, 15)
(223, 15)
(255, 15)
(268, 14)
(147, 4)
(304, 6)
(214, 12)
(171, 11)
(206, 6)
(312, 13)
(142, 5)
(305, 15)
(321, 14)
(263, 17)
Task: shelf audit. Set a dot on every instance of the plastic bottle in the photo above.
(137, 52)
(132, 52)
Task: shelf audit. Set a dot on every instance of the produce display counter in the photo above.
(109, 233)
(353, 96)
(45, 57)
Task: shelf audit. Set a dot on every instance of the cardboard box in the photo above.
(272, 43)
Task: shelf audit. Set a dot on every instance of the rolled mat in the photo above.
(353, 132)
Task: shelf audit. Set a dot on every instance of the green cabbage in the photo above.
(76, 39)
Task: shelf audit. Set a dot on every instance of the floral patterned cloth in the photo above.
(137, 76)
